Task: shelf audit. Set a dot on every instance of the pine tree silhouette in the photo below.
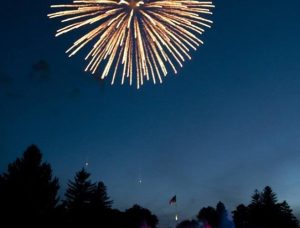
(86, 202)
(265, 211)
(241, 216)
(28, 190)
(287, 218)
(268, 197)
(256, 210)
(80, 192)
(100, 199)
(78, 199)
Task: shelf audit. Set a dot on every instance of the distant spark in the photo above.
(138, 40)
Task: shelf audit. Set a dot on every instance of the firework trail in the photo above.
(138, 40)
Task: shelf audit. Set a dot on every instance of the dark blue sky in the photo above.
(226, 125)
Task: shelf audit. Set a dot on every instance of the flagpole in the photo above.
(176, 213)
(173, 201)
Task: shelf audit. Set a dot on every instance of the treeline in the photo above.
(264, 211)
(29, 198)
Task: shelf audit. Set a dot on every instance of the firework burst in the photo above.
(136, 40)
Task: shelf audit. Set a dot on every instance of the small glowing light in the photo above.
(176, 217)
(86, 164)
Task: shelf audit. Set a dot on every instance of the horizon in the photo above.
(167, 220)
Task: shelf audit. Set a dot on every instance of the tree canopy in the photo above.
(29, 197)
(265, 211)
(28, 189)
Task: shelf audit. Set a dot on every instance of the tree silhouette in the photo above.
(100, 199)
(208, 215)
(138, 217)
(28, 189)
(212, 217)
(287, 217)
(265, 211)
(86, 202)
(270, 208)
(268, 197)
(241, 216)
(188, 224)
(113, 218)
(223, 220)
(80, 192)
(100, 208)
(28, 197)
(78, 198)
(221, 212)
(255, 210)
(1, 185)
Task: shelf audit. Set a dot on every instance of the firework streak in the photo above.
(136, 40)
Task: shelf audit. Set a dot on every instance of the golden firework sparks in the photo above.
(135, 38)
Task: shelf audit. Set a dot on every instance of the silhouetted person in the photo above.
(28, 191)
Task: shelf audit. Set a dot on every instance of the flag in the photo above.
(172, 200)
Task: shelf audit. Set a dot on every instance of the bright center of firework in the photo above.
(132, 3)
(135, 40)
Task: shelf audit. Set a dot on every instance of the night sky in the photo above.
(227, 124)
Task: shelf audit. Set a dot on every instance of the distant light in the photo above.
(176, 217)
(86, 164)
